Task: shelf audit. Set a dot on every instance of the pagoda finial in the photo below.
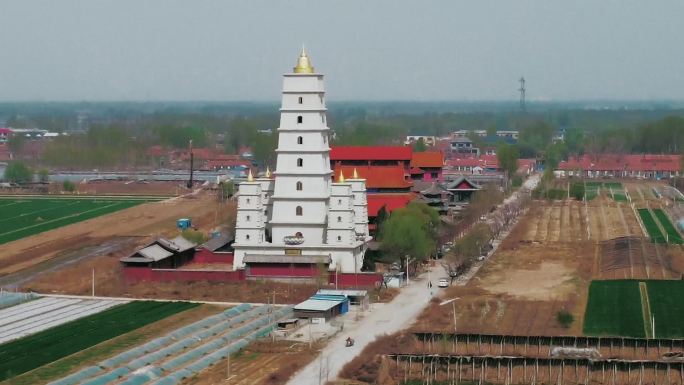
(341, 178)
(303, 63)
(250, 177)
(268, 172)
(356, 174)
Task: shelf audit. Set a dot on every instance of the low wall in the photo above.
(348, 280)
(206, 256)
(140, 274)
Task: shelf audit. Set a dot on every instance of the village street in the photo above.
(384, 318)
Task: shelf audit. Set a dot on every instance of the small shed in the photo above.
(322, 306)
(162, 254)
(356, 297)
(184, 223)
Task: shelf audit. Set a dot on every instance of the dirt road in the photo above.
(383, 319)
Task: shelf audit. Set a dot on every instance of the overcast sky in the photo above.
(368, 50)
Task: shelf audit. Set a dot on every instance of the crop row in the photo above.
(27, 218)
(651, 226)
(615, 309)
(672, 233)
(28, 353)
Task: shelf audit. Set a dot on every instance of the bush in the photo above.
(18, 172)
(195, 236)
(564, 318)
(516, 181)
(577, 191)
(68, 186)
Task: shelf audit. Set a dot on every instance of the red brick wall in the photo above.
(206, 256)
(282, 270)
(138, 274)
(356, 280)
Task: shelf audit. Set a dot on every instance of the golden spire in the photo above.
(356, 174)
(268, 172)
(250, 177)
(341, 178)
(303, 64)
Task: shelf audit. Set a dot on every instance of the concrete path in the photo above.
(382, 319)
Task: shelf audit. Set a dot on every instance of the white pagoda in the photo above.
(292, 222)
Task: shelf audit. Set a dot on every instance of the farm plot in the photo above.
(28, 353)
(672, 233)
(25, 216)
(651, 226)
(667, 307)
(614, 309)
(186, 351)
(34, 316)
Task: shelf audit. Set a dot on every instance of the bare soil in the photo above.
(144, 222)
(261, 363)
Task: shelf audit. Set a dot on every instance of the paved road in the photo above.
(382, 319)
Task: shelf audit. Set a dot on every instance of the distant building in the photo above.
(428, 140)
(462, 145)
(5, 134)
(621, 166)
(427, 166)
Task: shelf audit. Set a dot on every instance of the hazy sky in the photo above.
(368, 50)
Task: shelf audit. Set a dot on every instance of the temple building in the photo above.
(299, 219)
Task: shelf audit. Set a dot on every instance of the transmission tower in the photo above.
(522, 93)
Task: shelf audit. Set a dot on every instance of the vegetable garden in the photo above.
(23, 217)
(615, 309)
(651, 226)
(28, 353)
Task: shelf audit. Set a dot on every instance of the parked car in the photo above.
(443, 282)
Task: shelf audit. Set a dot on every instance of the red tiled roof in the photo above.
(612, 162)
(390, 201)
(415, 170)
(376, 176)
(370, 153)
(5, 131)
(427, 159)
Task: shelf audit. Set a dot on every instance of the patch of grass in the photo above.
(619, 197)
(30, 352)
(667, 307)
(23, 217)
(614, 309)
(651, 226)
(672, 233)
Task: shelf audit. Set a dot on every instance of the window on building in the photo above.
(249, 218)
(300, 163)
(300, 186)
(339, 201)
(300, 140)
(322, 118)
(247, 237)
(339, 219)
(248, 200)
(339, 238)
(434, 175)
(300, 119)
(299, 211)
(301, 100)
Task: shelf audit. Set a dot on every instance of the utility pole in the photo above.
(522, 93)
(407, 269)
(93, 282)
(191, 165)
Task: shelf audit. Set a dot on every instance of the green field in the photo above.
(614, 309)
(651, 226)
(667, 307)
(25, 354)
(672, 233)
(21, 217)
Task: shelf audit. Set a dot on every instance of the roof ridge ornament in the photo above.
(250, 177)
(341, 178)
(303, 63)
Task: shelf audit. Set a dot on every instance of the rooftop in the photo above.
(338, 153)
